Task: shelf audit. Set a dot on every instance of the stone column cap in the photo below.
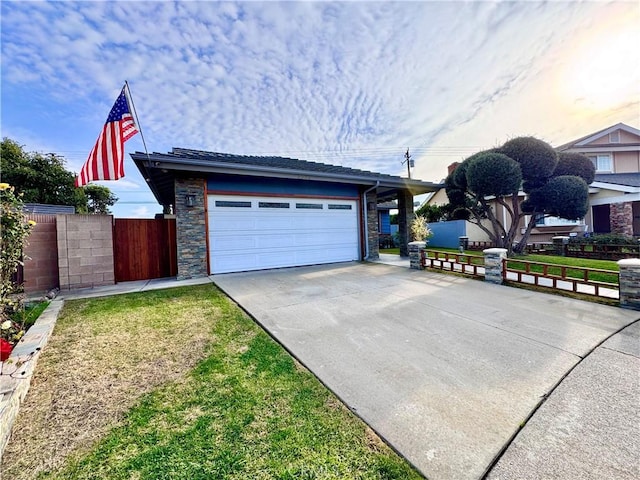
(495, 251)
(629, 262)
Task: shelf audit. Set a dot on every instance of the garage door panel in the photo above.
(256, 238)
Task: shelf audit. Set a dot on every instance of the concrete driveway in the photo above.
(445, 368)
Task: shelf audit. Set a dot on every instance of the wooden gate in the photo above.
(144, 248)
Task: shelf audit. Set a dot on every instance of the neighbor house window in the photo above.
(542, 221)
(614, 137)
(602, 162)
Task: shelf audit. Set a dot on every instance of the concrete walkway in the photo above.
(447, 369)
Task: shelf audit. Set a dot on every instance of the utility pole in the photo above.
(408, 161)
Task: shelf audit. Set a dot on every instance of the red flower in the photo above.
(5, 349)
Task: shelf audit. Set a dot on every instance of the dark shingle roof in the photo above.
(160, 170)
(626, 179)
(273, 162)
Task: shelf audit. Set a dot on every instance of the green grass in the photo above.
(571, 262)
(247, 411)
(393, 251)
(30, 314)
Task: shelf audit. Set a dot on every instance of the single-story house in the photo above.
(240, 213)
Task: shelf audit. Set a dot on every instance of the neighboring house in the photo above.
(384, 217)
(239, 213)
(614, 196)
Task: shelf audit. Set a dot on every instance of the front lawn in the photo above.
(181, 384)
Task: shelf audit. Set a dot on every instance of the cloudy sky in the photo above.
(350, 83)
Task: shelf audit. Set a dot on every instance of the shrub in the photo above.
(420, 229)
(14, 230)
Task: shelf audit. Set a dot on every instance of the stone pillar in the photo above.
(415, 252)
(191, 230)
(559, 245)
(493, 258)
(371, 205)
(405, 217)
(630, 283)
(621, 218)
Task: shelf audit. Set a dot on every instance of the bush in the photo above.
(420, 229)
(15, 229)
(607, 239)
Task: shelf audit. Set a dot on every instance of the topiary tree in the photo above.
(524, 168)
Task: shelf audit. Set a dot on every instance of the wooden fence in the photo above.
(144, 249)
(453, 262)
(590, 281)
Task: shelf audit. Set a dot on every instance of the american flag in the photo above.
(106, 160)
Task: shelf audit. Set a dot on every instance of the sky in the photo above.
(347, 83)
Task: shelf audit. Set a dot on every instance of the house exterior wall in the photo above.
(384, 222)
(41, 255)
(191, 229)
(227, 184)
(85, 250)
(439, 198)
(626, 162)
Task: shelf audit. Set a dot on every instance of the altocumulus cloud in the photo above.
(288, 78)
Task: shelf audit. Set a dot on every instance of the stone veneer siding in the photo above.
(372, 225)
(630, 283)
(621, 217)
(405, 217)
(493, 264)
(415, 252)
(191, 228)
(85, 250)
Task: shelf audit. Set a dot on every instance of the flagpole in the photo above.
(135, 112)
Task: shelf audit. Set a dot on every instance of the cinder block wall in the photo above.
(41, 255)
(85, 250)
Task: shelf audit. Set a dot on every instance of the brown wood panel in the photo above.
(144, 248)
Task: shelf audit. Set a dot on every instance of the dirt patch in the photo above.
(98, 364)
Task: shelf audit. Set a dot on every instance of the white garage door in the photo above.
(255, 233)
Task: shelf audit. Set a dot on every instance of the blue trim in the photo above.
(279, 186)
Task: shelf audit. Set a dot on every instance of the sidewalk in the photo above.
(130, 287)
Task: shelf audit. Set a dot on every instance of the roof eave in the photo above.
(156, 161)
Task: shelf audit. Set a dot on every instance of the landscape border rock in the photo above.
(17, 370)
